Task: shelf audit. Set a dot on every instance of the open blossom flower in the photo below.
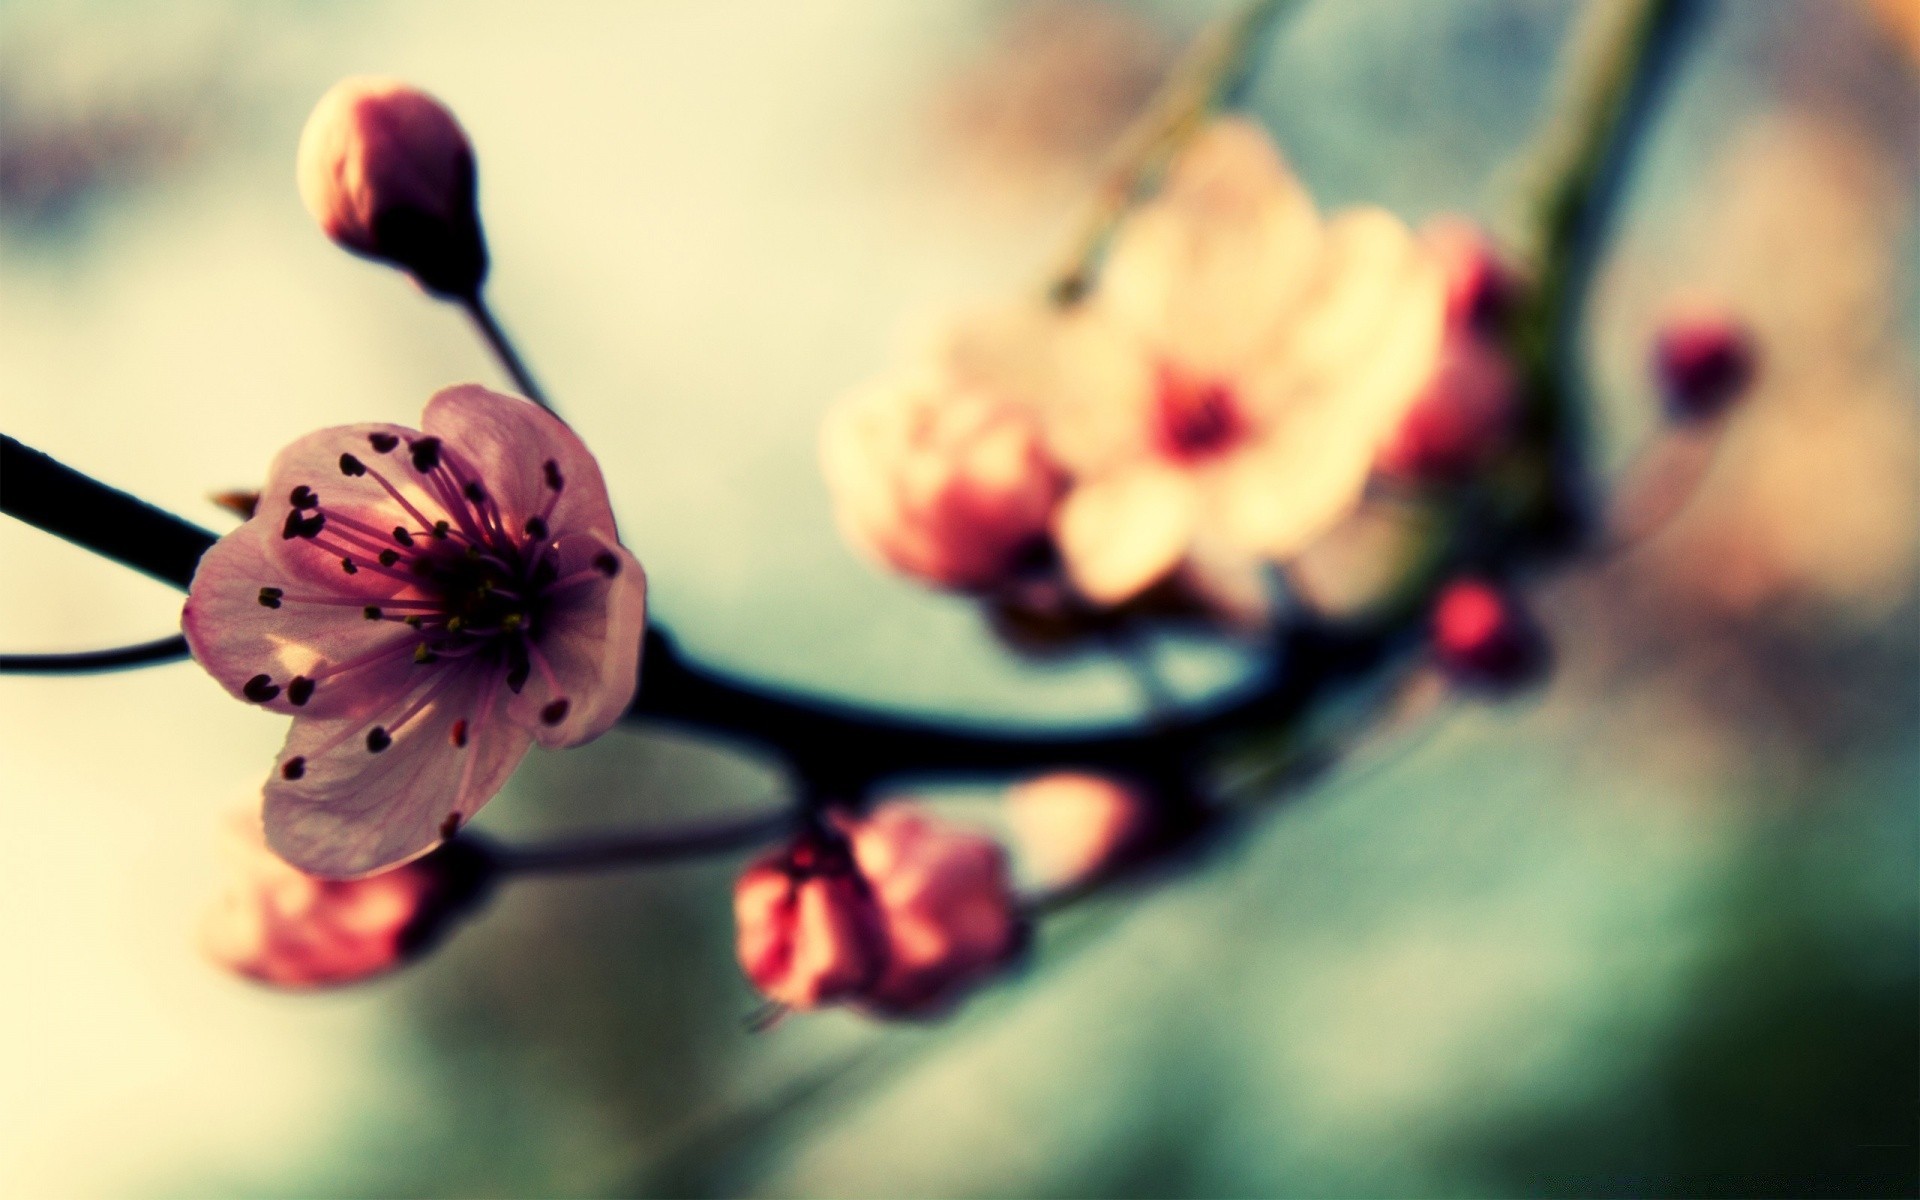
(280, 926)
(425, 604)
(388, 173)
(941, 481)
(951, 918)
(809, 929)
(1073, 826)
(1222, 394)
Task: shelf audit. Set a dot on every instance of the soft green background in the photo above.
(1653, 932)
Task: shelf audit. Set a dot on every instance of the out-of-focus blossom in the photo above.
(425, 604)
(942, 481)
(1482, 289)
(1705, 362)
(1071, 827)
(280, 926)
(1484, 638)
(809, 931)
(948, 903)
(388, 173)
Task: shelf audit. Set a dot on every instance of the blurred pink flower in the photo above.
(1483, 637)
(282, 927)
(809, 931)
(1481, 288)
(951, 917)
(942, 481)
(387, 172)
(425, 605)
(1071, 826)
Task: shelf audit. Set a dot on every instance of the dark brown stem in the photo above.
(481, 314)
(86, 662)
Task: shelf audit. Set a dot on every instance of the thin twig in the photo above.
(85, 662)
(481, 314)
(622, 848)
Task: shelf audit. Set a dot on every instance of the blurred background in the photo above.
(1653, 932)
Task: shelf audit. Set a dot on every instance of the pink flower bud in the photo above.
(1482, 637)
(1463, 420)
(809, 930)
(1481, 289)
(1705, 363)
(1071, 827)
(388, 173)
(951, 917)
(949, 484)
(280, 926)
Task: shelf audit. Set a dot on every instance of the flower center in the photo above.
(1195, 420)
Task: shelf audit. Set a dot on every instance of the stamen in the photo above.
(304, 497)
(552, 470)
(293, 768)
(299, 526)
(536, 529)
(378, 739)
(372, 612)
(555, 712)
(474, 492)
(460, 734)
(260, 689)
(349, 465)
(607, 563)
(346, 564)
(401, 535)
(270, 597)
(389, 557)
(382, 442)
(425, 452)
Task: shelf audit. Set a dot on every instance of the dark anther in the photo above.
(401, 535)
(270, 597)
(422, 654)
(389, 557)
(460, 734)
(475, 493)
(536, 528)
(378, 739)
(303, 497)
(545, 573)
(517, 677)
(555, 712)
(299, 689)
(293, 768)
(554, 480)
(382, 442)
(451, 825)
(260, 689)
(373, 612)
(302, 526)
(440, 529)
(426, 453)
(349, 465)
(414, 622)
(346, 564)
(605, 563)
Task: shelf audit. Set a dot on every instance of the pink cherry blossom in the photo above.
(941, 481)
(280, 926)
(951, 917)
(387, 172)
(425, 604)
(809, 929)
(1071, 826)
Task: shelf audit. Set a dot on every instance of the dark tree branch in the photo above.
(161, 650)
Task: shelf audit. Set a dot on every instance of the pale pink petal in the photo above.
(1277, 497)
(347, 810)
(1121, 534)
(588, 644)
(238, 639)
(520, 451)
(337, 474)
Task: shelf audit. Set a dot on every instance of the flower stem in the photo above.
(160, 650)
(626, 848)
(497, 341)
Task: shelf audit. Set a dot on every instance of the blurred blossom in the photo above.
(288, 929)
(941, 481)
(1482, 636)
(425, 605)
(809, 931)
(1048, 95)
(387, 172)
(951, 917)
(1070, 827)
(1222, 395)
(1705, 362)
(1482, 288)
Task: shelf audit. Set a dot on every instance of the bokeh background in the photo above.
(1655, 931)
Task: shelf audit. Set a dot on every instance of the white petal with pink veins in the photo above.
(1121, 534)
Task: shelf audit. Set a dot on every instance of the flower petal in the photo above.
(238, 639)
(336, 473)
(1121, 534)
(510, 443)
(590, 641)
(348, 810)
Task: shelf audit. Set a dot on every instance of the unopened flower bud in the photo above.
(1072, 827)
(388, 173)
(809, 930)
(1482, 637)
(279, 926)
(1705, 363)
(951, 918)
(1463, 420)
(946, 483)
(1481, 288)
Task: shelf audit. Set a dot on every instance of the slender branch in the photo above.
(161, 650)
(481, 314)
(67, 504)
(627, 848)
